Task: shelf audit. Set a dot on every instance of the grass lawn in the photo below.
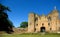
(30, 35)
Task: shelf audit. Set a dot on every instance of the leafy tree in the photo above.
(24, 25)
(5, 23)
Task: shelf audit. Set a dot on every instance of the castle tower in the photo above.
(54, 15)
(31, 22)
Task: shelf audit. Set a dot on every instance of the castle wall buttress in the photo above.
(31, 22)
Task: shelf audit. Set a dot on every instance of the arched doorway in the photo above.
(42, 29)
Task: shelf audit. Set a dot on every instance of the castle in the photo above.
(49, 23)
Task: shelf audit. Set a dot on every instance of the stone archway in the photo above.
(42, 29)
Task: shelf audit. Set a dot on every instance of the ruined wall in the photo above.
(50, 22)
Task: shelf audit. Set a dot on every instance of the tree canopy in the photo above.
(24, 25)
(5, 23)
(2, 8)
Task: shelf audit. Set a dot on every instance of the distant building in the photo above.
(49, 23)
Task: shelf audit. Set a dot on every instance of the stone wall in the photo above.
(50, 22)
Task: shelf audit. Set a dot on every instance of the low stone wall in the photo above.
(19, 30)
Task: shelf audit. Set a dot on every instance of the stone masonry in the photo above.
(42, 23)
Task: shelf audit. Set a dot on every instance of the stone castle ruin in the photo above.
(49, 23)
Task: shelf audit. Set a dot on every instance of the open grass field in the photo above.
(30, 35)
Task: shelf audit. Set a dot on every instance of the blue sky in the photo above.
(21, 8)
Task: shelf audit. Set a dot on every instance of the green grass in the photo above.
(30, 35)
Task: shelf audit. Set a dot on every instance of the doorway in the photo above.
(42, 29)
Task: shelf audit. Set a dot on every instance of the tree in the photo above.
(24, 25)
(5, 23)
